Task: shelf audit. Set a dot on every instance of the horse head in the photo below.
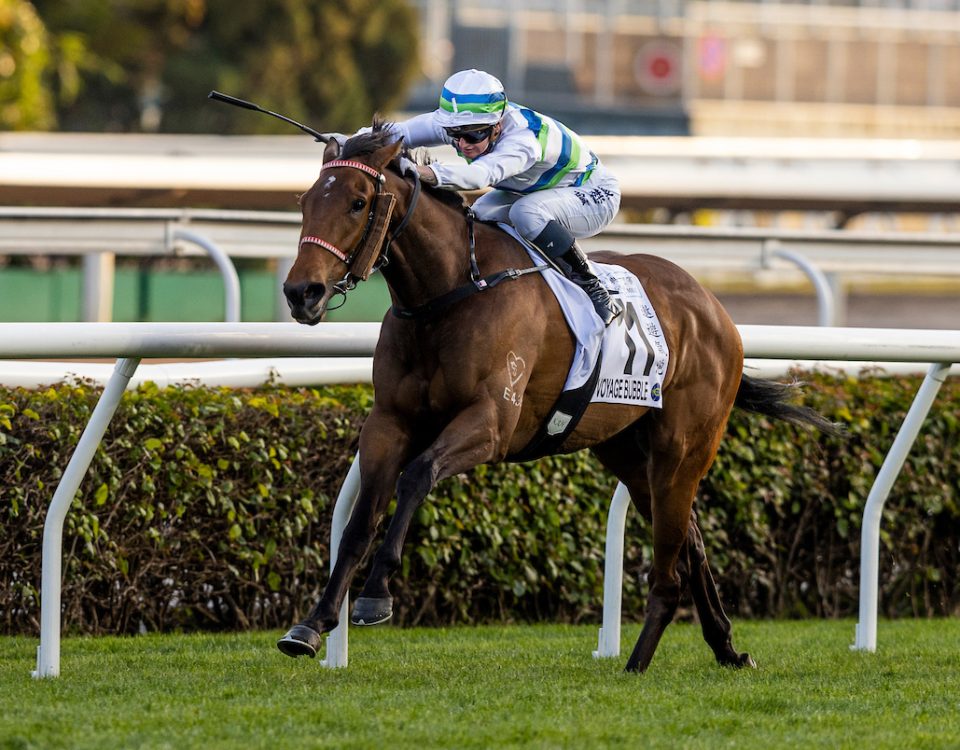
(345, 218)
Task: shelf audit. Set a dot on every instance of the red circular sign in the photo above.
(657, 67)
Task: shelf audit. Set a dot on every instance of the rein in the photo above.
(476, 284)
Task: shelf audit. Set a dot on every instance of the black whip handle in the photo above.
(234, 101)
(216, 95)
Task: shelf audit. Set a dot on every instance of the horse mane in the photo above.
(365, 144)
(380, 136)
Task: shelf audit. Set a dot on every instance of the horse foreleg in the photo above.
(472, 438)
(383, 449)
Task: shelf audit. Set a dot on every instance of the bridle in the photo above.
(371, 251)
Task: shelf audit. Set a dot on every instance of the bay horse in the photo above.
(463, 377)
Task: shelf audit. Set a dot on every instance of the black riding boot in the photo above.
(559, 244)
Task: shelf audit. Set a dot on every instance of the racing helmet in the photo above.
(471, 97)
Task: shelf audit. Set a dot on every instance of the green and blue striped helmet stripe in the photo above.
(477, 103)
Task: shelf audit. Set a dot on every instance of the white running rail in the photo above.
(224, 235)
(132, 341)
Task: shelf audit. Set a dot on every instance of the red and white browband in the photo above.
(310, 240)
(356, 165)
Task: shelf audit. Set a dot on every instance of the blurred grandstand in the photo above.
(823, 68)
(807, 115)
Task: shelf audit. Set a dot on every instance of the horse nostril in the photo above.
(294, 294)
(304, 296)
(313, 293)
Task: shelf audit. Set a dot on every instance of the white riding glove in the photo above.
(340, 138)
(407, 167)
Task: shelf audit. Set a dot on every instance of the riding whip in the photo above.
(257, 108)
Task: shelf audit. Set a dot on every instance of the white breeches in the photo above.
(583, 210)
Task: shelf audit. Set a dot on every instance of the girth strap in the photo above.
(562, 420)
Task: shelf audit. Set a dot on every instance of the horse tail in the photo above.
(772, 399)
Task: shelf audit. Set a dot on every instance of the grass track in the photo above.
(492, 687)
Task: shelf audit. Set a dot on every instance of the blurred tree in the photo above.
(25, 102)
(116, 52)
(329, 63)
(128, 65)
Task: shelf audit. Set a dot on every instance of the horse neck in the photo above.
(431, 257)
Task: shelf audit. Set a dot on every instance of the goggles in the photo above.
(470, 135)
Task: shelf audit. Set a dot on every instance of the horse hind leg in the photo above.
(669, 531)
(679, 457)
(652, 492)
(714, 622)
(661, 462)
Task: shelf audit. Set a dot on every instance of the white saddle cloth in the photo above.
(635, 352)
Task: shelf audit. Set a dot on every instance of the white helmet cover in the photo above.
(471, 97)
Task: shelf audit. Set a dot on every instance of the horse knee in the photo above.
(355, 541)
(417, 479)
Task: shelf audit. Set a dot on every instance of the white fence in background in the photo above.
(99, 234)
(234, 373)
(132, 341)
(681, 173)
(308, 371)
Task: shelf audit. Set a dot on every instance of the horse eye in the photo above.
(358, 204)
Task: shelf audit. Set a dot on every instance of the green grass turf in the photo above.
(492, 687)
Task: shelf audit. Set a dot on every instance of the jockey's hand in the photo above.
(340, 138)
(407, 167)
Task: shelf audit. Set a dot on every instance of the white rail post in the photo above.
(866, 632)
(608, 643)
(826, 307)
(336, 654)
(231, 282)
(98, 277)
(48, 652)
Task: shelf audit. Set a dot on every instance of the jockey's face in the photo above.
(471, 148)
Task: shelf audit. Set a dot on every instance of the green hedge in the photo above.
(210, 509)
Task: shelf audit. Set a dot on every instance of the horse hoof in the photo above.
(738, 661)
(372, 611)
(300, 641)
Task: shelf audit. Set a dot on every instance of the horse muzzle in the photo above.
(307, 301)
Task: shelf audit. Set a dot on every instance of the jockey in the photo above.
(547, 183)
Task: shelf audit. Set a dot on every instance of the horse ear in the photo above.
(383, 156)
(331, 151)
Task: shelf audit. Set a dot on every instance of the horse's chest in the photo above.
(446, 391)
(442, 388)
(446, 376)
